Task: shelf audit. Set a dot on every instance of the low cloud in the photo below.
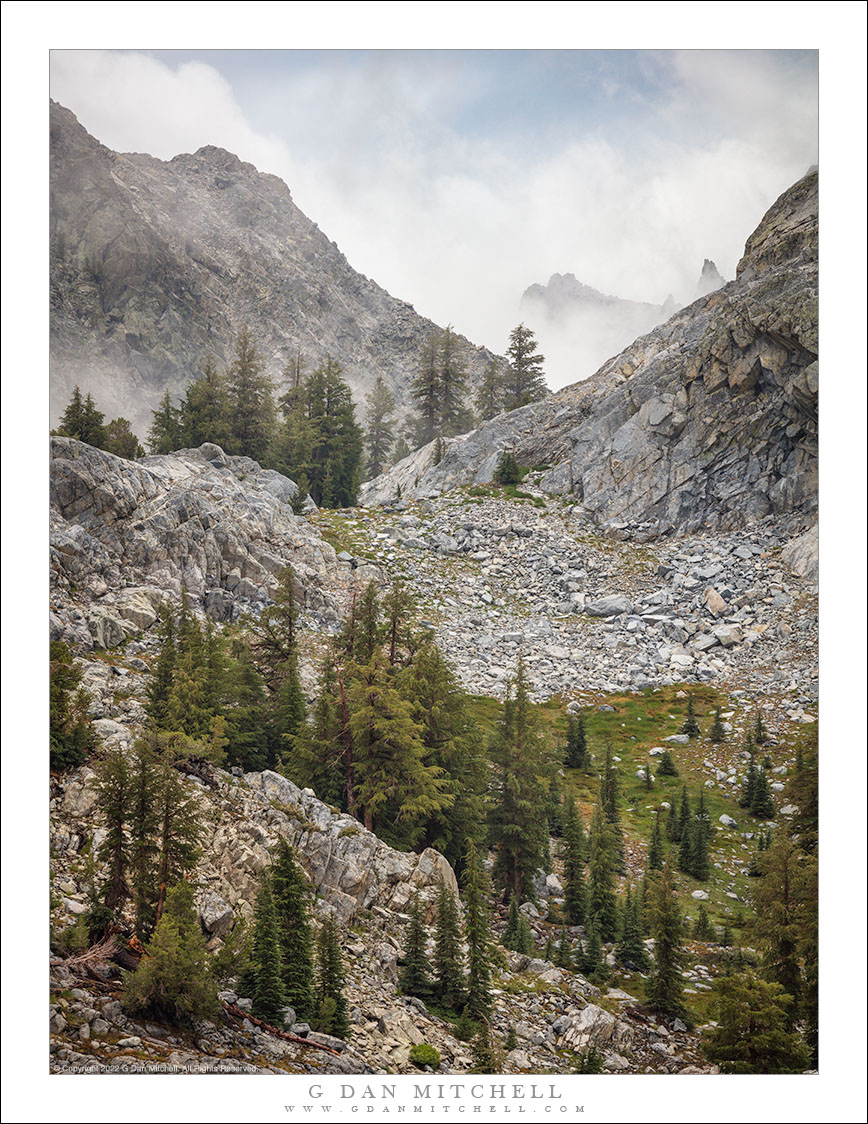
(460, 221)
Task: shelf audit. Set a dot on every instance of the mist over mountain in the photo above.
(157, 264)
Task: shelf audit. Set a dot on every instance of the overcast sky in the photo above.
(455, 179)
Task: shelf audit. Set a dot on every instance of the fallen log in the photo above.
(237, 1013)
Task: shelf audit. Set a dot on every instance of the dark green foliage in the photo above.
(693, 851)
(320, 749)
(448, 959)
(655, 849)
(576, 755)
(489, 395)
(511, 1041)
(564, 952)
(524, 380)
(760, 734)
(330, 1001)
(120, 440)
(265, 976)
(249, 392)
(761, 803)
(83, 421)
(164, 435)
(630, 949)
(465, 1027)
(439, 390)
(275, 651)
(177, 814)
(691, 726)
(703, 930)
(803, 791)
(400, 451)
(485, 1059)
(174, 980)
(113, 785)
(574, 865)
(591, 961)
(71, 732)
(143, 828)
(591, 1061)
(291, 892)
(413, 978)
(673, 827)
(602, 866)
(508, 470)
(424, 1055)
(717, 733)
(666, 766)
(754, 1032)
(477, 933)
(518, 832)
(664, 990)
(647, 779)
(516, 934)
(380, 410)
(206, 411)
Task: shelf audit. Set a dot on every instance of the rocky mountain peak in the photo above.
(709, 279)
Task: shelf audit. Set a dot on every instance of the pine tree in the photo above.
(760, 734)
(477, 933)
(717, 733)
(164, 435)
(334, 471)
(666, 766)
(143, 828)
(174, 980)
(380, 409)
(753, 1032)
(291, 892)
(564, 953)
(749, 784)
(119, 439)
(448, 959)
(664, 990)
(454, 416)
(160, 680)
(397, 790)
(518, 831)
(630, 949)
(647, 779)
(485, 1058)
(516, 934)
(400, 451)
(319, 748)
(508, 470)
(178, 820)
(113, 786)
(247, 712)
(489, 395)
(249, 393)
(762, 804)
(275, 647)
(574, 864)
(425, 391)
(265, 977)
(413, 977)
(691, 726)
(205, 411)
(330, 997)
(602, 864)
(673, 828)
(524, 380)
(72, 423)
(71, 732)
(576, 755)
(591, 962)
(510, 1043)
(655, 849)
(703, 929)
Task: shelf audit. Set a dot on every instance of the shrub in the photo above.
(424, 1055)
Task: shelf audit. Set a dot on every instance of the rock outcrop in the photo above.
(126, 534)
(708, 421)
(157, 264)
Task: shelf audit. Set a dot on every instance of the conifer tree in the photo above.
(330, 999)
(454, 416)
(591, 962)
(703, 929)
(425, 391)
(400, 451)
(395, 786)
(509, 938)
(508, 470)
(673, 827)
(717, 733)
(630, 949)
(602, 864)
(205, 412)
(576, 755)
(664, 990)
(380, 404)
(760, 734)
(448, 959)
(178, 819)
(119, 439)
(71, 732)
(564, 953)
(319, 749)
(754, 1028)
(484, 1055)
(655, 849)
(477, 933)
(160, 680)
(174, 980)
(691, 726)
(518, 831)
(72, 423)
(762, 804)
(164, 435)
(247, 717)
(666, 766)
(113, 786)
(574, 863)
(749, 784)
(265, 976)
(524, 380)
(489, 395)
(249, 392)
(291, 892)
(413, 978)
(143, 828)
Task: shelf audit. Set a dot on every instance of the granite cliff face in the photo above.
(156, 264)
(125, 535)
(710, 420)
